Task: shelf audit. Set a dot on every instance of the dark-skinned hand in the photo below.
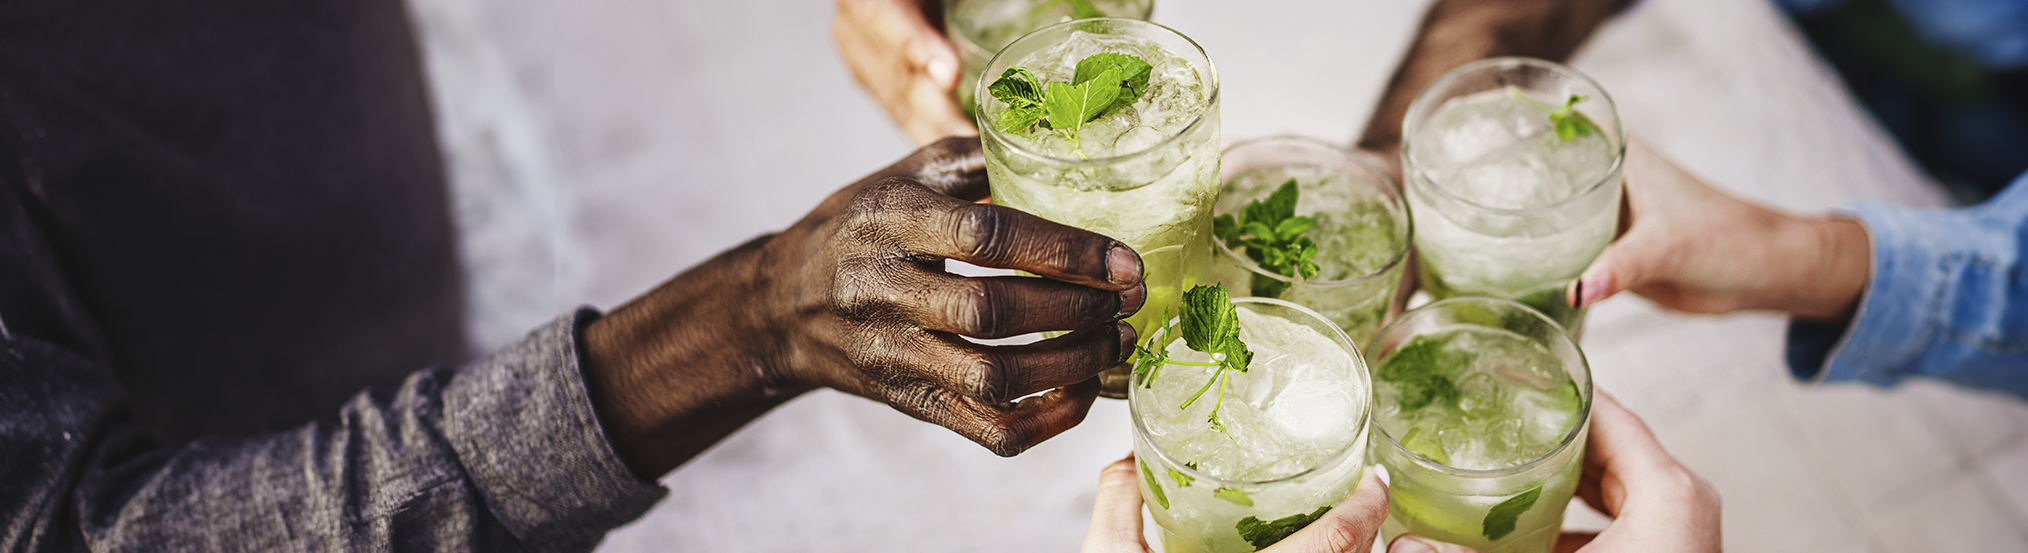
(854, 297)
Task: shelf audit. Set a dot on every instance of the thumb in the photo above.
(1350, 526)
(1116, 514)
(1627, 264)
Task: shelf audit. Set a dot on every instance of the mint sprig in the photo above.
(1154, 486)
(1210, 324)
(1100, 84)
(1271, 234)
(1567, 122)
(1500, 520)
(1263, 534)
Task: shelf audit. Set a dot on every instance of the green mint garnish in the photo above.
(1568, 123)
(1211, 325)
(1102, 83)
(1500, 520)
(1264, 534)
(1154, 485)
(1422, 373)
(1233, 496)
(1271, 234)
(1182, 480)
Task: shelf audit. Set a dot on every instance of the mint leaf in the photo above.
(1567, 122)
(1264, 534)
(1233, 496)
(1153, 485)
(1014, 119)
(1423, 392)
(1270, 233)
(1132, 77)
(1017, 87)
(1209, 319)
(1182, 480)
(1071, 105)
(1422, 357)
(1500, 520)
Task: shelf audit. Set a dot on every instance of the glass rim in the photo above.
(980, 94)
(1421, 98)
(1365, 410)
(1366, 163)
(1585, 395)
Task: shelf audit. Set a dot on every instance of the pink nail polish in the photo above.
(1592, 288)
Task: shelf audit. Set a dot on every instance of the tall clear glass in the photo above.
(1362, 234)
(980, 28)
(1506, 206)
(1293, 437)
(1489, 457)
(1145, 175)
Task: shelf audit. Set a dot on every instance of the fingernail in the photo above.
(1410, 544)
(1127, 339)
(941, 70)
(1123, 266)
(1590, 289)
(1132, 299)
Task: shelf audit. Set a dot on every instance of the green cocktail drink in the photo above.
(980, 28)
(1288, 441)
(1144, 171)
(1513, 170)
(1484, 405)
(1360, 237)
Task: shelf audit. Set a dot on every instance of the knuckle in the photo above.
(1341, 534)
(860, 291)
(987, 380)
(981, 313)
(982, 231)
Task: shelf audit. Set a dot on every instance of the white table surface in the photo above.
(600, 146)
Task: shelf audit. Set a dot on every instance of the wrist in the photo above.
(1835, 258)
(675, 370)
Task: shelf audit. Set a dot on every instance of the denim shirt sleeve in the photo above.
(505, 453)
(1948, 299)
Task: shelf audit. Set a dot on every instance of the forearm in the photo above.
(504, 453)
(687, 364)
(1455, 32)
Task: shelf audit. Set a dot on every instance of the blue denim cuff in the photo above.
(1897, 316)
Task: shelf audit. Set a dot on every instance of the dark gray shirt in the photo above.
(503, 454)
(219, 223)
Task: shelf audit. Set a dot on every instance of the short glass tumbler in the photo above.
(1482, 407)
(1290, 442)
(1362, 235)
(1512, 198)
(1145, 175)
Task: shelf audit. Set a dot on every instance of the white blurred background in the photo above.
(600, 146)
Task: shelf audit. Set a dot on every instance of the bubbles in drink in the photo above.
(1476, 398)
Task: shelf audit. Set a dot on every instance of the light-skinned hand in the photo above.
(1691, 247)
(1657, 505)
(899, 56)
(1349, 526)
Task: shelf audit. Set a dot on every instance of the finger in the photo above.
(1349, 526)
(1116, 514)
(1569, 542)
(997, 374)
(953, 166)
(902, 212)
(999, 307)
(1624, 265)
(1411, 543)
